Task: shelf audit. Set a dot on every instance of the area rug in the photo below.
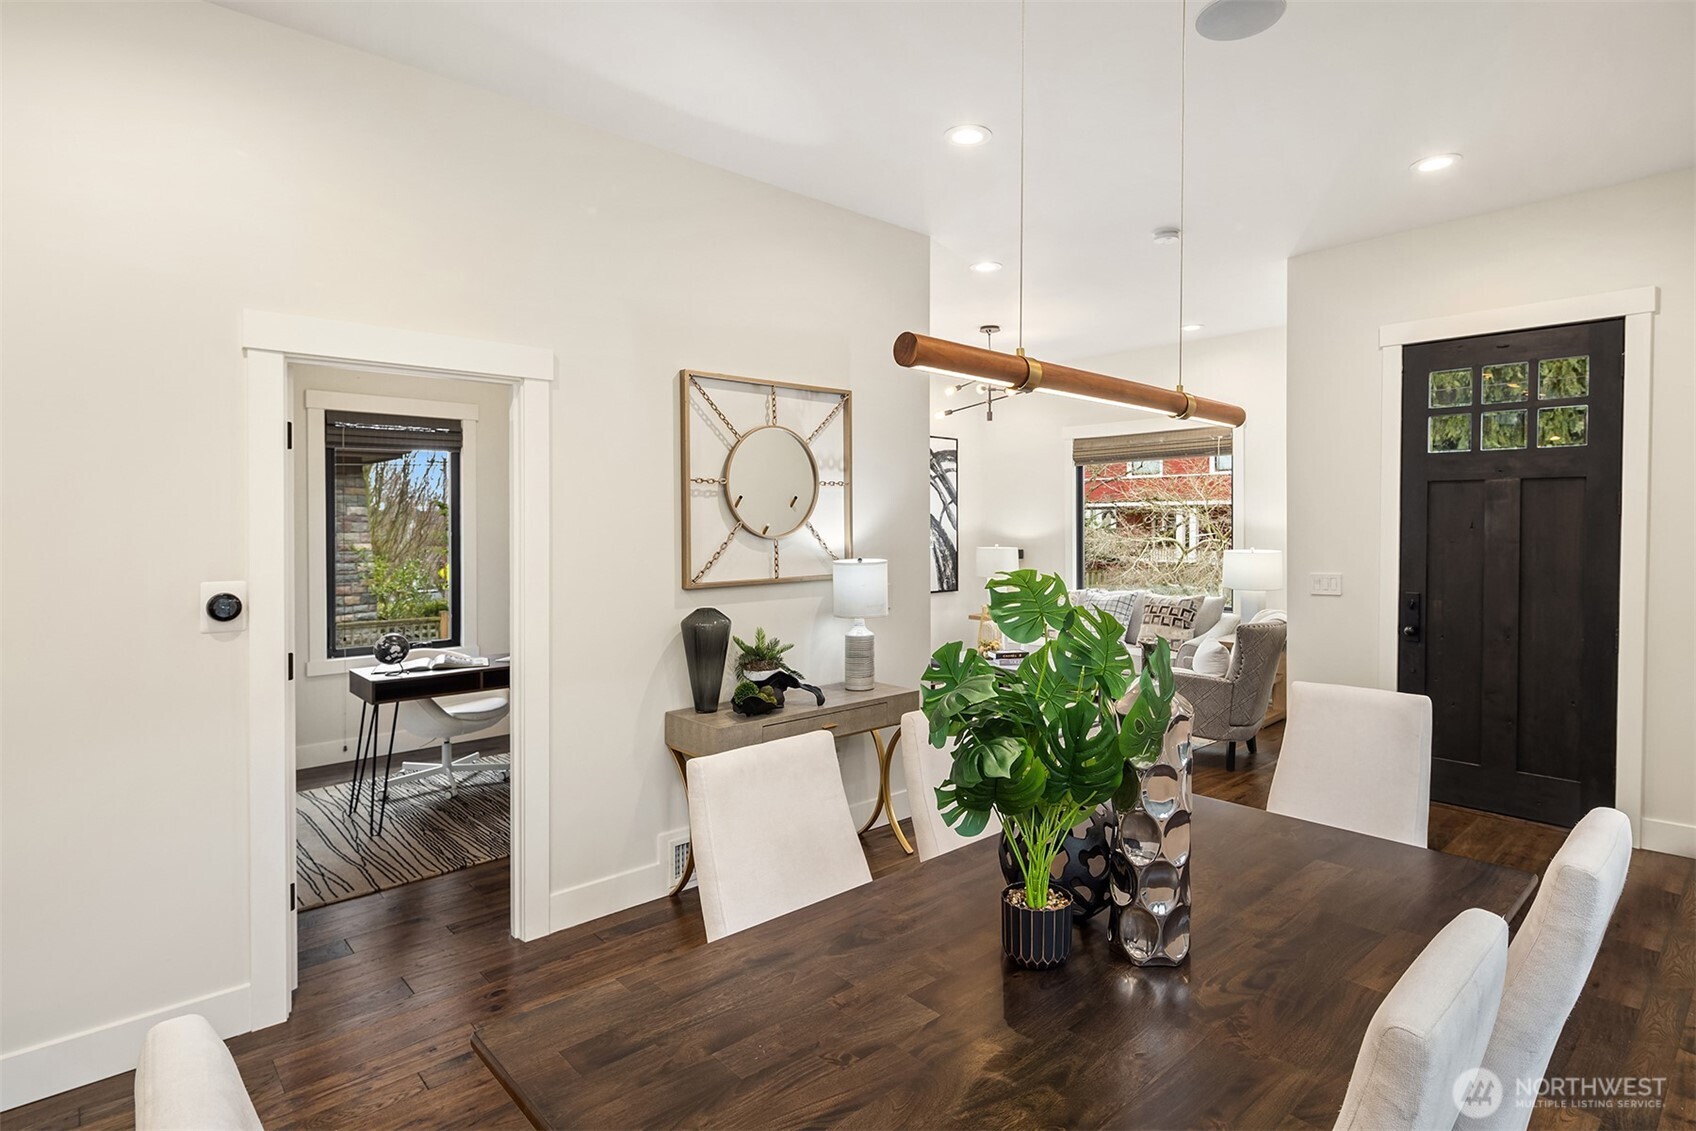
(425, 833)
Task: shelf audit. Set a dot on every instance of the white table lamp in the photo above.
(860, 589)
(997, 559)
(1250, 575)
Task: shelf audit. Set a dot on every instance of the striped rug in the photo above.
(426, 833)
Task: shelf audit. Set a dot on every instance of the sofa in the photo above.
(1212, 622)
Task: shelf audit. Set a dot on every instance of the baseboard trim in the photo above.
(59, 1065)
(1667, 836)
(594, 898)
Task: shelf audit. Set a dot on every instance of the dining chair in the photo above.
(1551, 955)
(1430, 1030)
(925, 768)
(1356, 758)
(185, 1077)
(771, 831)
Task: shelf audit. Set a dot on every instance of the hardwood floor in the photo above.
(391, 984)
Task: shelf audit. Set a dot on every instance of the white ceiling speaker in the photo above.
(1237, 19)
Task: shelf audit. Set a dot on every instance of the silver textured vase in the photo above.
(1149, 857)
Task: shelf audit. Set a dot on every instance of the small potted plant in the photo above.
(1042, 746)
(759, 661)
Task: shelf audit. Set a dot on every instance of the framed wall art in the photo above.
(944, 514)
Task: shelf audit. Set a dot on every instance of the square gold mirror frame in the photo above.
(767, 480)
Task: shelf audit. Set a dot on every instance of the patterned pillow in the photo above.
(1169, 617)
(1120, 604)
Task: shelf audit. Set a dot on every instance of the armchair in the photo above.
(1223, 627)
(1229, 708)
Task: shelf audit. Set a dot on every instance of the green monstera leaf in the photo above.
(957, 684)
(966, 808)
(1082, 758)
(1090, 654)
(1143, 728)
(1026, 604)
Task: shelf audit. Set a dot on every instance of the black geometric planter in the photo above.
(1032, 938)
(706, 641)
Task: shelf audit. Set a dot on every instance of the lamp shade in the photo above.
(1254, 571)
(997, 559)
(860, 587)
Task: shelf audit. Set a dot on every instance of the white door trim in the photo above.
(1638, 307)
(269, 343)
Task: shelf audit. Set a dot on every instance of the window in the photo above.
(392, 529)
(1164, 528)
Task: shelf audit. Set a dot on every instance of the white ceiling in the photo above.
(1297, 139)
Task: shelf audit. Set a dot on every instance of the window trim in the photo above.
(318, 660)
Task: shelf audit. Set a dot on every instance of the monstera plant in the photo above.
(1042, 746)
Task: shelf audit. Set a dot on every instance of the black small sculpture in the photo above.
(782, 682)
(766, 696)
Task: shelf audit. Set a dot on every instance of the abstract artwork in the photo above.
(944, 515)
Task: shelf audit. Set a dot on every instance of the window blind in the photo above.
(1174, 443)
(382, 434)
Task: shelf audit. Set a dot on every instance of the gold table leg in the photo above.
(885, 754)
(689, 859)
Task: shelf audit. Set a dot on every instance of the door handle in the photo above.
(1412, 617)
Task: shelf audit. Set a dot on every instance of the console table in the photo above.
(690, 734)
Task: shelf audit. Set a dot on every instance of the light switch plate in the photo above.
(209, 590)
(1325, 584)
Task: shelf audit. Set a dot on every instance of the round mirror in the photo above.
(771, 481)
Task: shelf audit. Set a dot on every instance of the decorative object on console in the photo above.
(860, 589)
(391, 648)
(750, 698)
(1149, 857)
(778, 504)
(944, 514)
(1167, 618)
(782, 682)
(1250, 575)
(706, 641)
(989, 561)
(763, 658)
(1043, 771)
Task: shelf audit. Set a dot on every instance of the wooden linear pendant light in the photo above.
(1021, 374)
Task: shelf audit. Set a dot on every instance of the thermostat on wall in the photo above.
(223, 606)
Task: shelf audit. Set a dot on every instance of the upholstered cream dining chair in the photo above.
(771, 831)
(1430, 1030)
(925, 768)
(1356, 758)
(1551, 956)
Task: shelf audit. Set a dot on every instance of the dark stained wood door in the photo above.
(1509, 595)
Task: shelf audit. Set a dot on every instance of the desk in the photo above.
(691, 734)
(381, 685)
(890, 1005)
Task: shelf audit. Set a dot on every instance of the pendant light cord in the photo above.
(1183, 229)
(1022, 9)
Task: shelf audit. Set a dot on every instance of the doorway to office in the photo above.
(400, 621)
(280, 642)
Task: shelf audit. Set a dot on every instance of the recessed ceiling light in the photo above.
(1436, 163)
(986, 267)
(1166, 235)
(968, 135)
(1191, 327)
(1237, 19)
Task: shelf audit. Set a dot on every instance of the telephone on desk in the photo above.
(456, 660)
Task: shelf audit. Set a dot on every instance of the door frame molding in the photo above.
(1638, 306)
(270, 343)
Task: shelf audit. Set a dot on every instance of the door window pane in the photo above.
(1563, 427)
(1451, 388)
(1502, 430)
(1504, 384)
(1451, 432)
(1562, 377)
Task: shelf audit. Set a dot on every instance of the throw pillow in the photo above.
(1211, 658)
(1120, 604)
(1169, 617)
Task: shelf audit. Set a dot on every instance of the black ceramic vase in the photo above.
(706, 642)
(1036, 938)
(1083, 863)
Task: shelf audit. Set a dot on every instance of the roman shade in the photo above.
(1168, 443)
(382, 434)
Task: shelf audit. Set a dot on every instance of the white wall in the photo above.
(326, 715)
(1016, 474)
(1633, 235)
(168, 165)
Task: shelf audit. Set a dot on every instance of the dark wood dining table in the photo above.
(891, 1006)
